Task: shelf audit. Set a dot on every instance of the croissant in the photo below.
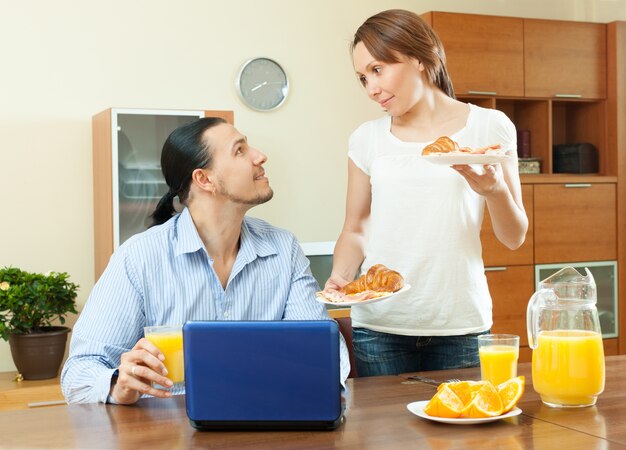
(442, 145)
(446, 145)
(378, 278)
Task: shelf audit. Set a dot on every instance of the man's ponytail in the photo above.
(184, 151)
(164, 210)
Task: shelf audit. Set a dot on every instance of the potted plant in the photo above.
(29, 303)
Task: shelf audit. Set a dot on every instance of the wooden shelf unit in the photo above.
(555, 121)
(573, 90)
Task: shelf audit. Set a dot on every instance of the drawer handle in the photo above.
(577, 185)
(482, 92)
(568, 95)
(495, 269)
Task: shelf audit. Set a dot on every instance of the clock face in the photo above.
(262, 84)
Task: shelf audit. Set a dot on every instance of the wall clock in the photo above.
(262, 84)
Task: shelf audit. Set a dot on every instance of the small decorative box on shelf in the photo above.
(529, 165)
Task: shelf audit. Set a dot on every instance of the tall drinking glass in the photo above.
(498, 357)
(169, 340)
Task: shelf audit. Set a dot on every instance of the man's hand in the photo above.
(138, 369)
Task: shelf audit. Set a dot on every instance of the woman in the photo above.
(418, 218)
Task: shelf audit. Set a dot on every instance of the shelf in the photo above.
(552, 122)
(18, 394)
(561, 178)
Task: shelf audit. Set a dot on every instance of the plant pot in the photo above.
(38, 356)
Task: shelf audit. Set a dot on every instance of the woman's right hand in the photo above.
(139, 368)
(335, 282)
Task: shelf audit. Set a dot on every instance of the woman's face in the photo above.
(396, 87)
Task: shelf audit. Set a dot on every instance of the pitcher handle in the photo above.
(532, 315)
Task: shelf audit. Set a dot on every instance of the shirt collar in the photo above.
(253, 242)
(187, 239)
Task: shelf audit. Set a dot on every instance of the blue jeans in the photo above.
(390, 354)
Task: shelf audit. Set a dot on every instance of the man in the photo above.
(210, 262)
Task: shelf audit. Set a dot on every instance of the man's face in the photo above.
(237, 167)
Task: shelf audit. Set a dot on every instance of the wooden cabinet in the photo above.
(575, 222)
(511, 287)
(573, 81)
(533, 116)
(485, 54)
(564, 59)
(553, 122)
(510, 276)
(549, 77)
(494, 252)
(581, 121)
(127, 172)
(28, 393)
(616, 139)
(514, 57)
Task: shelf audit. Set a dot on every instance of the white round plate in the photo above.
(405, 288)
(417, 408)
(449, 159)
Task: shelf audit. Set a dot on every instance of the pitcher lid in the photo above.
(568, 283)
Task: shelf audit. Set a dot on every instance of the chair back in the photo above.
(345, 328)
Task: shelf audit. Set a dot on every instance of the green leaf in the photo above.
(29, 301)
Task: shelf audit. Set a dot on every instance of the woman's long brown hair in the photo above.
(395, 32)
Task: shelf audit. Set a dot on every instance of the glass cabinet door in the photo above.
(138, 137)
(605, 276)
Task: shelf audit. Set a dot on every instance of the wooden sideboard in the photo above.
(564, 90)
(20, 394)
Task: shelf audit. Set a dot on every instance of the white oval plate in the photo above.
(405, 288)
(449, 159)
(417, 408)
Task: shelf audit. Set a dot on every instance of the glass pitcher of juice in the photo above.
(564, 334)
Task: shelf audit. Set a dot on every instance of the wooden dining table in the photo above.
(376, 417)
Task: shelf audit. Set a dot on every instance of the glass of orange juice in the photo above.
(498, 357)
(568, 367)
(169, 339)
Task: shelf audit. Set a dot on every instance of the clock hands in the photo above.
(259, 86)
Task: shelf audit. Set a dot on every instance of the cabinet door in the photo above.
(484, 54)
(605, 276)
(126, 193)
(511, 288)
(575, 222)
(564, 59)
(494, 252)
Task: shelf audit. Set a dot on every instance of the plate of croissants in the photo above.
(447, 152)
(378, 283)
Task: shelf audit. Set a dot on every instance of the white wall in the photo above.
(63, 61)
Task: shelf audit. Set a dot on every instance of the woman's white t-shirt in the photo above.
(425, 223)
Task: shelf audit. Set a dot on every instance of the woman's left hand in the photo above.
(484, 182)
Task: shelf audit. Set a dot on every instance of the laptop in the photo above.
(262, 374)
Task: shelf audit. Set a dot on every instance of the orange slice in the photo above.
(485, 403)
(460, 388)
(510, 392)
(466, 390)
(473, 385)
(445, 403)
